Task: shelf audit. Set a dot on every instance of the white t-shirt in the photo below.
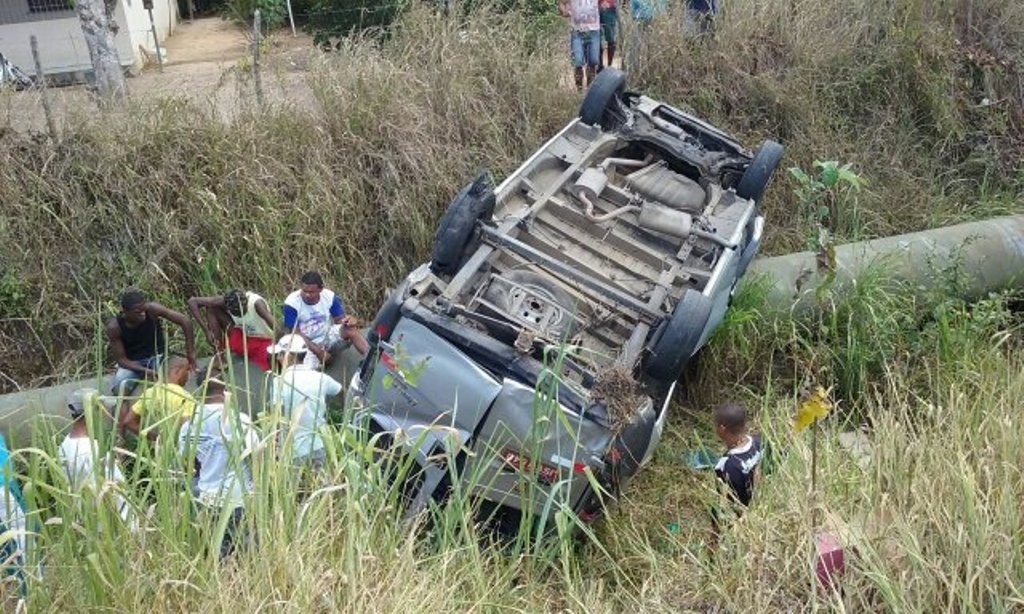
(301, 392)
(583, 15)
(251, 322)
(313, 321)
(78, 456)
(221, 443)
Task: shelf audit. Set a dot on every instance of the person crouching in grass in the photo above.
(220, 441)
(88, 470)
(300, 393)
(238, 321)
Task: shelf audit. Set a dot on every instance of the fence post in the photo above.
(41, 82)
(291, 16)
(256, 56)
(148, 4)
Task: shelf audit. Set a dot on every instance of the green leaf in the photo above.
(798, 173)
(848, 176)
(829, 172)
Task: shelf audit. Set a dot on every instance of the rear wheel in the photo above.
(759, 173)
(679, 338)
(456, 228)
(602, 106)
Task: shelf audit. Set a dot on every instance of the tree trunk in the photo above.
(99, 27)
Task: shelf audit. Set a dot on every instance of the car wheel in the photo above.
(679, 337)
(455, 230)
(602, 100)
(759, 173)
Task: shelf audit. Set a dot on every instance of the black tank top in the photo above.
(145, 340)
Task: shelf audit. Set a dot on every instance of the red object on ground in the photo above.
(256, 346)
(829, 560)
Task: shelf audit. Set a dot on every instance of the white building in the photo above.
(62, 47)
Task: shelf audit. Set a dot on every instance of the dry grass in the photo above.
(616, 386)
(181, 202)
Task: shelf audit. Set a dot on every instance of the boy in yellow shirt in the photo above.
(163, 405)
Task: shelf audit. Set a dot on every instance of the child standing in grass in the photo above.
(220, 441)
(584, 39)
(737, 468)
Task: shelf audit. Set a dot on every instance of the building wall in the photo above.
(165, 16)
(62, 47)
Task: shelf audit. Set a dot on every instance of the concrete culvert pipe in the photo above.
(984, 257)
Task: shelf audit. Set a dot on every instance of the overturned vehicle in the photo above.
(534, 357)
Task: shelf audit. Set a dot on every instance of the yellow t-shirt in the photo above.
(165, 402)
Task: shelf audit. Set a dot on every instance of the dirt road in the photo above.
(208, 61)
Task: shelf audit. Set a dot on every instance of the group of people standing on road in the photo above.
(205, 431)
(594, 29)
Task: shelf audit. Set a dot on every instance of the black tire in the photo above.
(456, 227)
(679, 338)
(759, 173)
(602, 100)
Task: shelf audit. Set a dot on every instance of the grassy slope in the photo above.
(355, 189)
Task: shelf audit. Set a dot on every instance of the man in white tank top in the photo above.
(239, 321)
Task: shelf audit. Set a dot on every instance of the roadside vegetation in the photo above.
(923, 99)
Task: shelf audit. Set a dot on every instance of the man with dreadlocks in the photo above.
(243, 317)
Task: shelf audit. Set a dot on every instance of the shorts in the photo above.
(129, 379)
(585, 47)
(609, 25)
(332, 342)
(253, 349)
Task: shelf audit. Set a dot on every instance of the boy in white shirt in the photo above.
(219, 441)
(300, 393)
(79, 454)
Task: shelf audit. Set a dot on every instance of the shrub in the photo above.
(273, 13)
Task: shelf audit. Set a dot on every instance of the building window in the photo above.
(49, 6)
